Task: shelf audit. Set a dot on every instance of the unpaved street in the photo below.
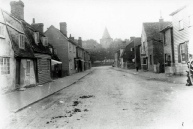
(111, 99)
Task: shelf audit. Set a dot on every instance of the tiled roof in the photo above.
(152, 29)
(37, 48)
(14, 28)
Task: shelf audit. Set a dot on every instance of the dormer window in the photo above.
(181, 25)
(36, 37)
(1, 31)
(45, 41)
(55, 51)
(51, 50)
(21, 40)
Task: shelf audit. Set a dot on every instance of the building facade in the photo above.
(182, 28)
(17, 58)
(152, 57)
(169, 58)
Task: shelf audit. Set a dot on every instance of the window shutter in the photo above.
(179, 54)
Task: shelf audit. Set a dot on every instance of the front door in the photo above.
(18, 62)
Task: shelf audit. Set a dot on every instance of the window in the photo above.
(181, 25)
(21, 39)
(28, 68)
(36, 37)
(45, 41)
(5, 65)
(190, 20)
(1, 31)
(183, 52)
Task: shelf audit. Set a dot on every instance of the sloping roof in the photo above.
(167, 27)
(70, 40)
(14, 28)
(37, 48)
(152, 29)
(106, 34)
(178, 10)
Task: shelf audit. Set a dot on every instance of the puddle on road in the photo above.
(77, 107)
(84, 97)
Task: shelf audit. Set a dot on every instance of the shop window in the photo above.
(5, 65)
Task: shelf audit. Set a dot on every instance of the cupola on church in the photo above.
(106, 39)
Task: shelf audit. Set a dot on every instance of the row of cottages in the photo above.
(163, 46)
(131, 53)
(73, 57)
(129, 57)
(25, 56)
(166, 45)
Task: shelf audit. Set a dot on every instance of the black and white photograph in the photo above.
(96, 64)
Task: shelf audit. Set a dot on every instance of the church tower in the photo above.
(106, 39)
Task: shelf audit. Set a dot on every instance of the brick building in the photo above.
(128, 55)
(152, 57)
(168, 44)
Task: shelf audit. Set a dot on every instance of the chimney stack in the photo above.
(80, 41)
(33, 21)
(132, 38)
(17, 9)
(63, 28)
(38, 26)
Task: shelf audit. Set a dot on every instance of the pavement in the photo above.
(18, 100)
(176, 79)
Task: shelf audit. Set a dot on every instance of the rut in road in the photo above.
(109, 99)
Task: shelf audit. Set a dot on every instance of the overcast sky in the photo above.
(88, 18)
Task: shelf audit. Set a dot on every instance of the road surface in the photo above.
(111, 99)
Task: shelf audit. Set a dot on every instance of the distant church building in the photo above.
(106, 39)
